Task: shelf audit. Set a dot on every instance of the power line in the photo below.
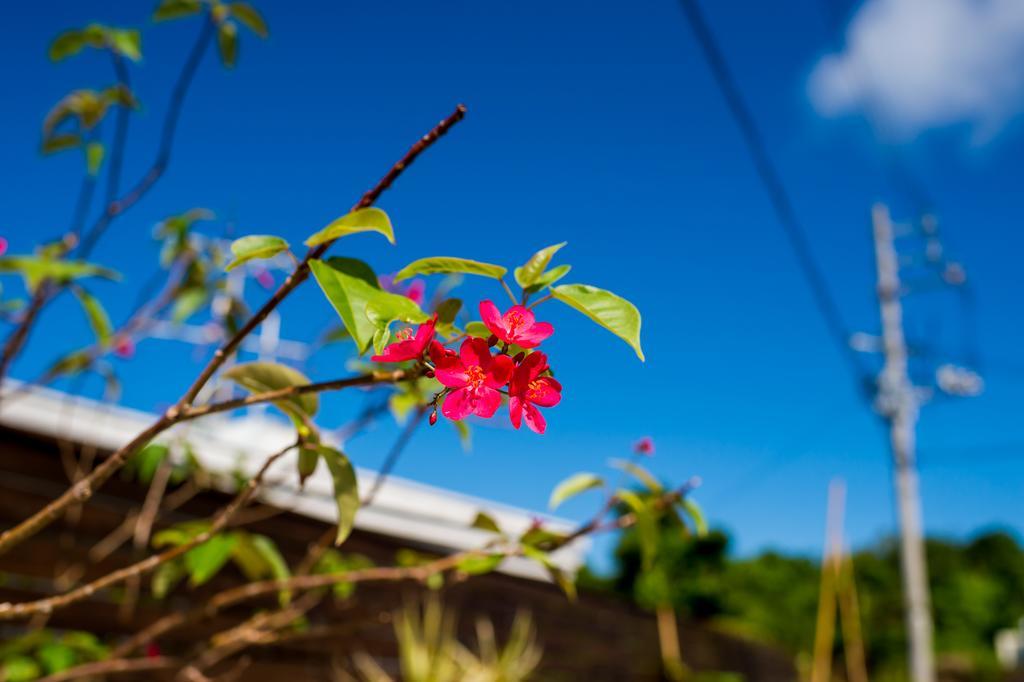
(780, 200)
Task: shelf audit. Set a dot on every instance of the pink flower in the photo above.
(415, 291)
(476, 377)
(517, 326)
(265, 279)
(409, 347)
(644, 446)
(124, 348)
(527, 389)
(3, 246)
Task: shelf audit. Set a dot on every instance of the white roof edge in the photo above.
(403, 509)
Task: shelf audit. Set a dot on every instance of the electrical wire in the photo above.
(780, 199)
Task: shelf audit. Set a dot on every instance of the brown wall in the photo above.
(594, 639)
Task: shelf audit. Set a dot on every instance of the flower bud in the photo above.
(433, 417)
(492, 340)
(429, 374)
(519, 357)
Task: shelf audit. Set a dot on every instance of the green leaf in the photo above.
(549, 278)
(479, 565)
(86, 644)
(255, 246)
(20, 669)
(346, 490)
(431, 266)
(247, 15)
(34, 270)
(574, 485)
(308, 459)
(259, 558)
(615, 314)
(447, 311)
(93, 157)
(179, 534)
(176, 9)
(66, 44)
(640, 473)
(485, 521)
(205, 561)
(260, 377)
(478, 330)
(188, 303)
(97, 316)
(56, 657)
(227, 43)
(696, 515)
(60, 142)
(349, 285)
(126, 42)
(333, 561)
(385, 308)
(527, 274)
(361, 220)
(147, 460)
(166, 577)
(558, 576)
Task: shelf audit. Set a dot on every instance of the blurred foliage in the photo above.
(977, 589)
(430, 650)
(47, 652)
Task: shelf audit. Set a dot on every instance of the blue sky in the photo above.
(597, 123)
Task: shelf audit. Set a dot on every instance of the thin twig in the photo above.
(17, 338)
(10, 611)
(395, 453)
(113, 667)
(422, 572)
(85, 488)
(163, 157)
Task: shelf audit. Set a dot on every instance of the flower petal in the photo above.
(534, 419)
(417, 288)
(546, 392)
(424, 334)
(530, 337)
(491, 317)
(450, 372)
(515, 411)
(475, 352)
(522, 315)
(400, 351)
(500, 372)
(439, 353)
(487, 402)
(458, 404)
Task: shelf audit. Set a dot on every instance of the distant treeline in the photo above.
(977, 589)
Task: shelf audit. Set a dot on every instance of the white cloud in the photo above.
(911, 65)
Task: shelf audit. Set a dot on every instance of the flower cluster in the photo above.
(483, 370)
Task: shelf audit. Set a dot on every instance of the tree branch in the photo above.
(163, 157)
(236, 595)
(85, 488)
(9, 611)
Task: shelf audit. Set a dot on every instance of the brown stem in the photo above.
(163, 157)
(17, 338)
(85, 488)
(9, 611)
(235, 595)
(301, 271)
(113, 667)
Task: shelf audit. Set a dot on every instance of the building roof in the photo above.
(402, 509)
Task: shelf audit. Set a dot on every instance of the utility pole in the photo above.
(897, 401)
